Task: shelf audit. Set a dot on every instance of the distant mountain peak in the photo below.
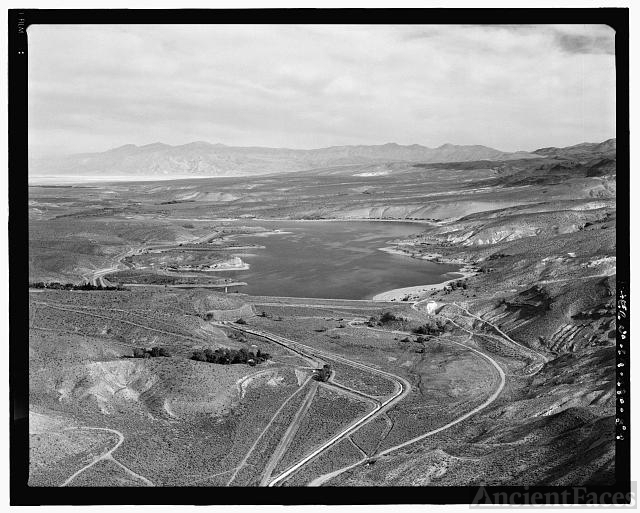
(608, 146)
(123, 147)
(155, 145)
(196, 144)
(201, 158)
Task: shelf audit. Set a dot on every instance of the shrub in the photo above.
(433, 327)
(154, 352)
(388, 317)
(70, 286)
(138, 352)
(241, 321)
(164, 352)
(199, 356)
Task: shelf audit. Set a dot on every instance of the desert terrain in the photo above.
(149, 365)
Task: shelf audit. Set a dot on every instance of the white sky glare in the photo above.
(92, 88)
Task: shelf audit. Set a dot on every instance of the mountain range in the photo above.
(206, 159)
(582, 150)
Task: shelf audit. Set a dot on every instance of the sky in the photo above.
(92, 88)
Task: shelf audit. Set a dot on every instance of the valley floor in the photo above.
(503, 374)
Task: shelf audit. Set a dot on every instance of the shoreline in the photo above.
(324, 220)
(350, 219)
(466, 270)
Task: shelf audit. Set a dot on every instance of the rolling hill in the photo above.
(202, 159)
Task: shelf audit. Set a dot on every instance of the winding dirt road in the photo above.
(543, 359)
(541, 356)
(327, 477)
(106, 456)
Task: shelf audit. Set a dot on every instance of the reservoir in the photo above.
(332, 259)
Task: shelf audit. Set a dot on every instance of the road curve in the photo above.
(477, 409)
(492, 398)
(326, 477)
(403, 388)
(105, 456)
(543, 357)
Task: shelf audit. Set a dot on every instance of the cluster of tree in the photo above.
(230, 356)
(389, 317)
(385, 318)
(432, 327)
(241, 321)
(323, 374)
(154, 352)
(453, 286)
(458, 285)
(71, 286)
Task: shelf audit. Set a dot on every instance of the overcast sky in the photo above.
(92, 88)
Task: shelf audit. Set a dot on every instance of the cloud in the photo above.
(584, 39)
(522, 87)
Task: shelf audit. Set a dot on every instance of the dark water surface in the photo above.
(332, 259)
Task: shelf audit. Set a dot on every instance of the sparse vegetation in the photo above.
(389, 317)
(154, 352)
(75, 339)
(385, 319)
(230, 356)
(54, 285)
(432, 327)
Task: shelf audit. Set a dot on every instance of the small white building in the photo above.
(432, 307)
